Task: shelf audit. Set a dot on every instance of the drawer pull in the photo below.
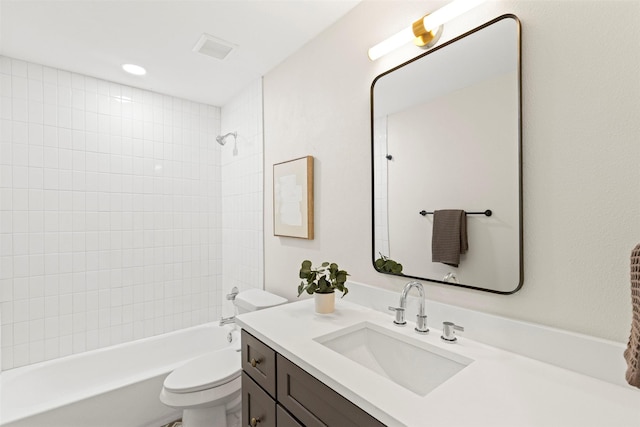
(255, 362)
(254, 422)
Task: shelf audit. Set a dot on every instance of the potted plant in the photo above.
(322, 283)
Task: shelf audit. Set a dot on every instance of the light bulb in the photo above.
(136, 70)
(430, 22)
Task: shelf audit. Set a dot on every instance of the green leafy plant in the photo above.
(387, 265)
(323, 280)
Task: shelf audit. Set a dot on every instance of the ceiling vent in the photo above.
(213, 47)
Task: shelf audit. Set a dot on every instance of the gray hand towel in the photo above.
(449, 238)
(632, 353)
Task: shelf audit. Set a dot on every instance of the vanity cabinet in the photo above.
(277, 392)
(258, 408)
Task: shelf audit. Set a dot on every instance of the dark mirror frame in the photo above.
(520, 185)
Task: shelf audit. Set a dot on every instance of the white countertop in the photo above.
(498, 388)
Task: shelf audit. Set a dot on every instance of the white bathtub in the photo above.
(113, 386)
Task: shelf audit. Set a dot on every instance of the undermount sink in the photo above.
(410, 363)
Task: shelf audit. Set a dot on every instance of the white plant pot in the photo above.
(325, 303)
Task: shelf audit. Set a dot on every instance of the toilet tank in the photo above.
(256, 299)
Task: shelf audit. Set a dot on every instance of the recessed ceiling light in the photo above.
(136, 70)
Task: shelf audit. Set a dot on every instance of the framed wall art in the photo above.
(293, 198)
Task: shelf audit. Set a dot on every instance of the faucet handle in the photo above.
(421, 324)
(449, 331)
(233, 294)
(399, 316)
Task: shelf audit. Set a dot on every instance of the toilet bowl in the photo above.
(207, 389)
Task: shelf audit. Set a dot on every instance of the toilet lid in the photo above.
(257, 299)
(205, 372)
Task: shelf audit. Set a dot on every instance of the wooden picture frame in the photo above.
(293, 198)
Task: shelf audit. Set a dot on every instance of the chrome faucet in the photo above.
(421, 318)
(231, 297)
(227, 320)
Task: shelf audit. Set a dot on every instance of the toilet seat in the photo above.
(205, 372)
(227, 395)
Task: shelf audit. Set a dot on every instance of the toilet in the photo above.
(207, 389)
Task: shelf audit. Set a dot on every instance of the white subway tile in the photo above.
(77, 81)
(36, 243)
(77, 99)
(51, 348)
(64, 97)
(36, 312)
(51, 242)
(6, 290)
(50, 75)
(34, 71)
(6, 332)
(80, 341)
(64, 285)
(65, 323)
(51, 263)
(92, 340)
(36, 178)
(36, 90)
(19, 110)
(20, 355)
(19, 88)
(51, 312)
(50, 115)
(50, 94)
(6, 317)
(36, 351)
(64, 117)
(36, 265)
(5, 65)
(66, 345)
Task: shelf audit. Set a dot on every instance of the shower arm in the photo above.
(222, 140)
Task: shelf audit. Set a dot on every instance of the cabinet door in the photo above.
(259, 361)
(285, 419)
(313, 403)
(258, 408)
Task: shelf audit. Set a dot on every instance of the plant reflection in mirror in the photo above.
(387, 265)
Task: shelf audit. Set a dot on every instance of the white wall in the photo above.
(581, 103)
(109, 213)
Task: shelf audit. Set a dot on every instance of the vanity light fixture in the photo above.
(136, 70)
(426, 31)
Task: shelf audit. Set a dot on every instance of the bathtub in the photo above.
(112, 386)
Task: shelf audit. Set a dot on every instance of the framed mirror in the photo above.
(446, 132)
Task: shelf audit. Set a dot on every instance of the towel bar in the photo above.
(486, 213)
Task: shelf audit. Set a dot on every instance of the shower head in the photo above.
(222, 139)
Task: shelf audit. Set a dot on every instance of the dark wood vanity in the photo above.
(277, 392)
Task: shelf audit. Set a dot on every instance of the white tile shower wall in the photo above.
(110, 213)
(242, 193)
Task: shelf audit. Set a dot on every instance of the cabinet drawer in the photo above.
(259, 361)
(314, 403)
(285, 419)
(258, 408)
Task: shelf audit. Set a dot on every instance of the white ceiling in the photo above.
(96, 37)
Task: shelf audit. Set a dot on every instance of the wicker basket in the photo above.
(632, 354)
